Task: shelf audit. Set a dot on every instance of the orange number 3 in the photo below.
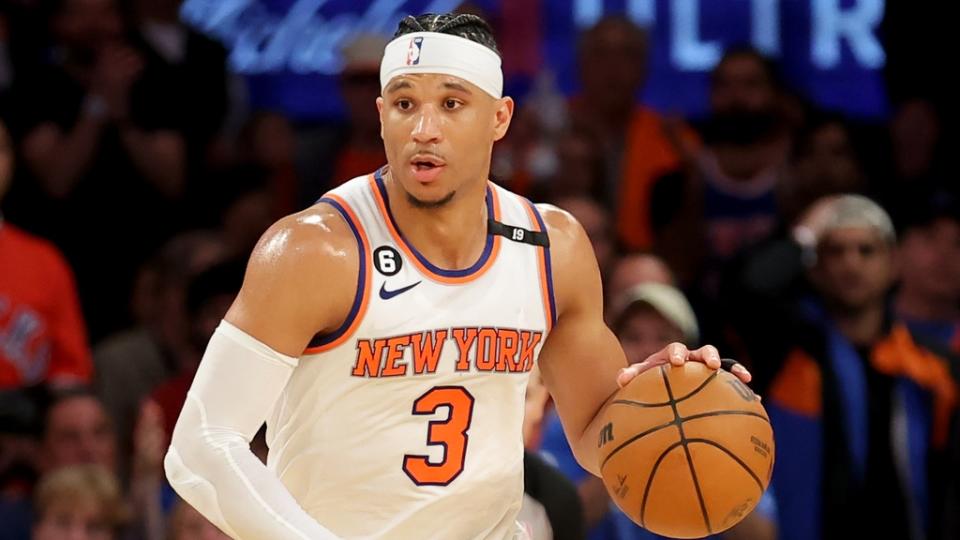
(451, 434)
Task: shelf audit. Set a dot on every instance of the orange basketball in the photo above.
(686, 451)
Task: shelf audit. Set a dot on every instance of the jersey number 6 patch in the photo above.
(451, 434)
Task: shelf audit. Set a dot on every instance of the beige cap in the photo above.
(668, 301)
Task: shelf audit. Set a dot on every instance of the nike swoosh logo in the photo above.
(386, 295)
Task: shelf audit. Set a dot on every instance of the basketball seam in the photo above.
(653, 472)
(633, 439)
(665, 403)
(724, 413)
(734, 457)
(683, 442)
(654, 429)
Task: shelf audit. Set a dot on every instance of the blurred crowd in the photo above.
(822, 252)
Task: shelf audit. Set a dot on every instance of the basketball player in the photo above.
(386, 333)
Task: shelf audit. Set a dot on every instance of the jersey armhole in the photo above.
(545, 266)
(324, 342)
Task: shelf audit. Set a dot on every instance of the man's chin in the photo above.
(430, 203)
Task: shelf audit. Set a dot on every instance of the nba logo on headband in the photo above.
(413, 53)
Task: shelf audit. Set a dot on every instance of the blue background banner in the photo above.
(829, 50)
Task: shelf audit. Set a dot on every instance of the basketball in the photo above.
(686, 451)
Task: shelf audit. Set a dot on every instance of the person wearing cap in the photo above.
(387, 333)
(862, 411)
(650, 316)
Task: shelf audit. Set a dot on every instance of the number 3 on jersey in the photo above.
(450, 433)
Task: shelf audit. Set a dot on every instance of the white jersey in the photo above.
(406, 421)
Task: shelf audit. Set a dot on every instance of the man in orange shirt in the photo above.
(42, 334)
(640, 145)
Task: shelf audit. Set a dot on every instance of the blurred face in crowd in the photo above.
(78, 431)
(6, 160)
(634, 269)
(438, 133)
(188, 524)
(643, 331)
(855, 268)
(360, 90)
(85, 26)
(914, 132)
(613, 64)
(743, 100)
(580, 167)
(73, 519)
(271, 140)
(207, 318)
(825, 164)
(595, 221)
(930, 259)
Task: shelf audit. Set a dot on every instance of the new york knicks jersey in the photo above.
(406, 421)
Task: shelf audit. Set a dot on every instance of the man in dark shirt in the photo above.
(104, 160)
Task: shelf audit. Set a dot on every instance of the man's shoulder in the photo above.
(308, 248)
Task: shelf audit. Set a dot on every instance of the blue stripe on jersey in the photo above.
(322, 339)
(487, 250)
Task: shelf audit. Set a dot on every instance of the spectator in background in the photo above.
(917, 154)
(97, 124)
(581, 170)
(77, 431)
(844, 371)
(42, 333)
(360, 88)
(823, 162)
(928, 299)
(72, 429)
(595, 221)
(650, 316)
(132, 363)
(727, 200)
(634, 269)
(268, 144)
(209, 296)
(197, 67)
(638, 145)
(81, 502)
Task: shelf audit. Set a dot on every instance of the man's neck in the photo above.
(451, 237)
(861, 327)
(913, 304)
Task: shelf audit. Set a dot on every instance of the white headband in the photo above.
(432, 52)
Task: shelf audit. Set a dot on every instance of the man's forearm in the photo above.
(209, 462)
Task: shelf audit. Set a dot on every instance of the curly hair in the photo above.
(464, 25)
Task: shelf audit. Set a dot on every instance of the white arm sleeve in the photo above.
(209, 462)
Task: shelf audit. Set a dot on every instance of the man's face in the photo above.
(72, 520)
(438, 133)
(855, 268)
(78, 432)
(613, 64)
(930, 259)
(86, 25)
(645, 331)
(741, 83)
